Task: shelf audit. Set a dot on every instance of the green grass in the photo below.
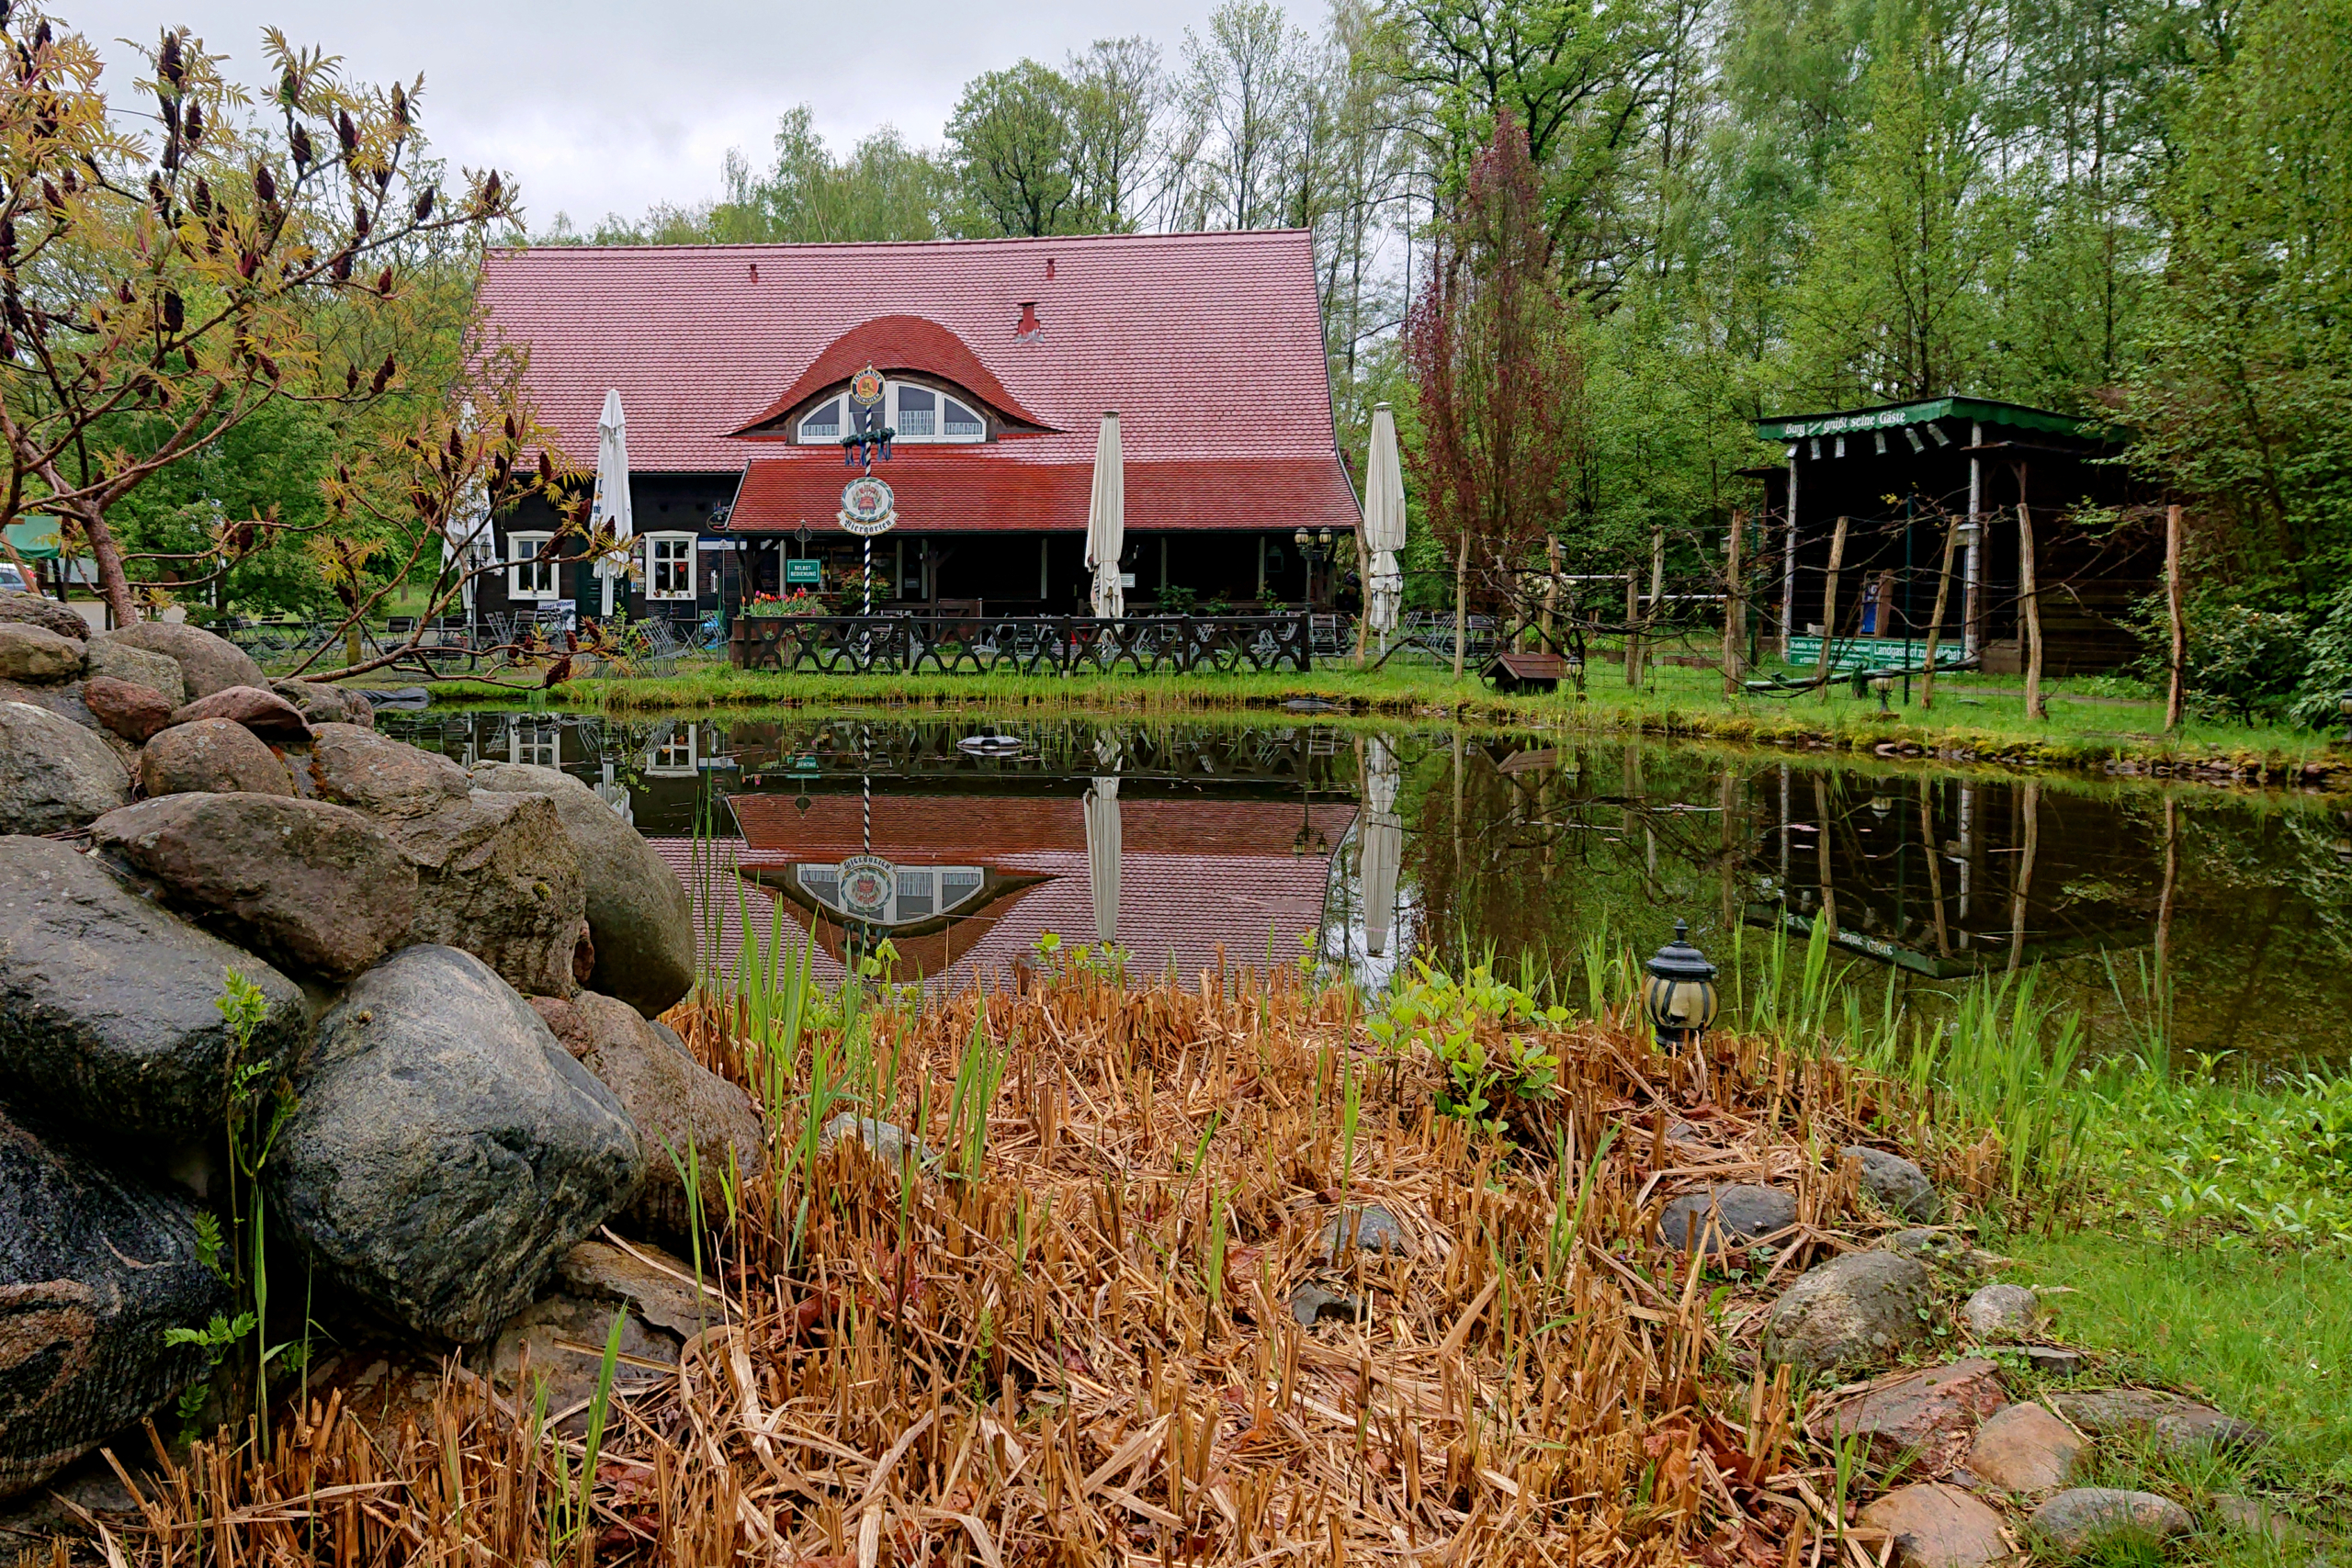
(2093, 720)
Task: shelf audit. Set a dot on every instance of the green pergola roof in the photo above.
(1890, 416)
(35, 540)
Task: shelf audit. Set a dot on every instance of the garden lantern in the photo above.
(1680, 995)
(1882, 683)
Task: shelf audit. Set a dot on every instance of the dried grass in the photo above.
(1085, 1356)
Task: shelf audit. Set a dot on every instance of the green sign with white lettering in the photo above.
(804, 572)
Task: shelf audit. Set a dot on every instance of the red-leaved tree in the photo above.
(1500, 382)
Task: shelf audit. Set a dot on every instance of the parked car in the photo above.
(12, 581)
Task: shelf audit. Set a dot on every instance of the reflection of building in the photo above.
(958, 881)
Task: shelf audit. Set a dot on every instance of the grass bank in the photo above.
(2094, 723)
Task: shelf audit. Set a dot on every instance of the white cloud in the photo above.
(596, 107)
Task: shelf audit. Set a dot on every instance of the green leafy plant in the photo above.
(1487, 1032)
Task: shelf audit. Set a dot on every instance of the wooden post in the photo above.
(1551, 587)
(1829, 609)
(2178, 666)
(2021, 880)
(2029, 597)
(1633, 630)
(1734, 605)
(1461, 603)
(1936, 626)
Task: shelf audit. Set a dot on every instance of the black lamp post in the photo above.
(1680, 995)
(1316, 549)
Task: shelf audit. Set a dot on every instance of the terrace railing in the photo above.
(1028, 645)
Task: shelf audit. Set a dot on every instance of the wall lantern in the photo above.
(1680, 995)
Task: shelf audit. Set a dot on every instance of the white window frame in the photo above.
(684, 561)
(895, 420)
(521, 550)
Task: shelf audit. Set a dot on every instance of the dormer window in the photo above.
(920, 415)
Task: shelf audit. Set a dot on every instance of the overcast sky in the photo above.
(603, 108)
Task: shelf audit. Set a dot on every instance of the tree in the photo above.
(1498, 383)
(1012, 138)
(1245, 92)
(1116, 89)
(159, 291)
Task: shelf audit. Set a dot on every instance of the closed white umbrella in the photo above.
(612, 493)
(1384, 525)
(1383, 844)
(1106, 522)
(1102, 839)
(466, 540)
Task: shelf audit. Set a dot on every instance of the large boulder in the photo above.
(36, 654)
(2025, 1448)
(384, 777)
(312, 886)
(94, 1269)
(108, 1005)
(141, 667)
(638, 911)
(54, 774)
(1858, 1310)
(2163, 1421)
(320, 703)
(497, 877)
(39, 610)
(445, 1151)
(688, 1115)
(2076, 1520)
(264, 712)
(1935, 1525)
(1930, 1414)
(135, 712)
(214, 755)
(208, 664)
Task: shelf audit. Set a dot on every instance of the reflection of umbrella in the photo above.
(1102, 839)
(1106, 522)
(1384, 523)
(615, 794)
(1383, 844)
(612, 493)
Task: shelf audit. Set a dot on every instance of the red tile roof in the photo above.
(1209, 345)
(893, 344)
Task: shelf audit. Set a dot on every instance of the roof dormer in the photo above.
(936, 389)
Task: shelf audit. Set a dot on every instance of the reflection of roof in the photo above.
(1210, 345)
(1192, 874)
(951, 488)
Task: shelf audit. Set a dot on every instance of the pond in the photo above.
(969, 841)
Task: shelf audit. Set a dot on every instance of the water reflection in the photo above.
(965, 843)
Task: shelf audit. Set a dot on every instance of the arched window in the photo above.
(918, 414)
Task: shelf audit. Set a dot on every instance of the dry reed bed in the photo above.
(1086, 1355)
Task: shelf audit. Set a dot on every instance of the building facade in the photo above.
(993, 361)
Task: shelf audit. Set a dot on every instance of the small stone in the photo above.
(1311, 1304)
(1895, 1184)
(217, 756)
(2251, 1515)
(208, 664)
(657, 1287)
(54, 774)
(159, 672)
(2057, 1361)
(37, 655)
(320, 703)
(888, 1143)
(1369, 1229)
(1856, 1310)
(1931, 1415)
(2025, 1448)
(1935, 1525)
(2000, 1314)
(260, 710)
(2078, 1519)
(39, 610)
(2171, 1423)
(134, 712)
(562, 1338)
(1726, 1216)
